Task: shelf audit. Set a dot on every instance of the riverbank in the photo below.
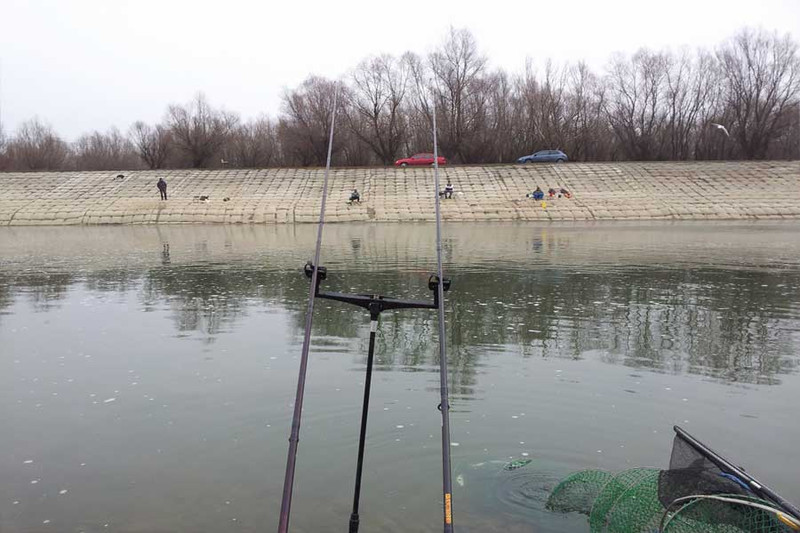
(600, 191)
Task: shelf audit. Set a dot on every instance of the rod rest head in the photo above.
(322, 272)
(433, 282)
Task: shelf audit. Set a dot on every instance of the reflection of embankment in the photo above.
(732, 321)
(412, 246)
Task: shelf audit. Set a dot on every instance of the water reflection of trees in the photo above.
(42, 289)
(206, 298)
(116, 280)
(6, 294)
(733, 325)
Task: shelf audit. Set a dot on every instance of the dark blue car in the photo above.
(544, 156)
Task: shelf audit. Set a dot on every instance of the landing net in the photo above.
(700, 492)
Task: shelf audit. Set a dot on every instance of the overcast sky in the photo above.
(89, 64)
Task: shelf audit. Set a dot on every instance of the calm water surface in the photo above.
(147, 374)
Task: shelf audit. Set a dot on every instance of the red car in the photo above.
(419, 159)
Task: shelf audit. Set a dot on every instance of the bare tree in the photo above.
(153, 144)
(553, 107)
(199, 130)
(305, 126)
(787, 144)
(526, 91)
(105, 151)
(691, 93)
(588, 135)
(651, 105)
(35, 146)
(457, 67)
(635, 104)
(418, 105)
(379, 87)
(502, 128)
(4, 157)
(252, 145)
(762, 77)
(353, 152)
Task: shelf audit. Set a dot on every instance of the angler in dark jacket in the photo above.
(162, 188)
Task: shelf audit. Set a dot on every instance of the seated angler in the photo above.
(448, 190)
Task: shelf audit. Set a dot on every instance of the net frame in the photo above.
(768, 517)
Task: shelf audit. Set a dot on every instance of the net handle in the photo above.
(756, 486)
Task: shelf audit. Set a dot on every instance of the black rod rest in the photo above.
(375, 304)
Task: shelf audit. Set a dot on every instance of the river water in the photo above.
(147, 374)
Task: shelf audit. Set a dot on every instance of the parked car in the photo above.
(419, 159)
(544, 156)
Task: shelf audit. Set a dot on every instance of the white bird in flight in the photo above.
(721, 127)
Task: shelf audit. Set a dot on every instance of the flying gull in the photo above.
(721, 127)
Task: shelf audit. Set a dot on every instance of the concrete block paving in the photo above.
(600, 191)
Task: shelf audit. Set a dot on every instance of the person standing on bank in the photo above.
(162, 187)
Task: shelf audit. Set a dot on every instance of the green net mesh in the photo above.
(625, 484)
(577, 493)
(699, 492)
(628, 502)
(635, 509)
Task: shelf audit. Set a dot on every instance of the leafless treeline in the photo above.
(648, 106)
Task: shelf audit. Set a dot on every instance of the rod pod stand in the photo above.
(375, 304)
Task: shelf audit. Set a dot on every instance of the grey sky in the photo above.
(90, 64)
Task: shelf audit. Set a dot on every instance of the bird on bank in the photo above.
(721, 127)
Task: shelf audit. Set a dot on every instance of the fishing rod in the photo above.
(288, 481)
(444, 405)
(375, 304)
